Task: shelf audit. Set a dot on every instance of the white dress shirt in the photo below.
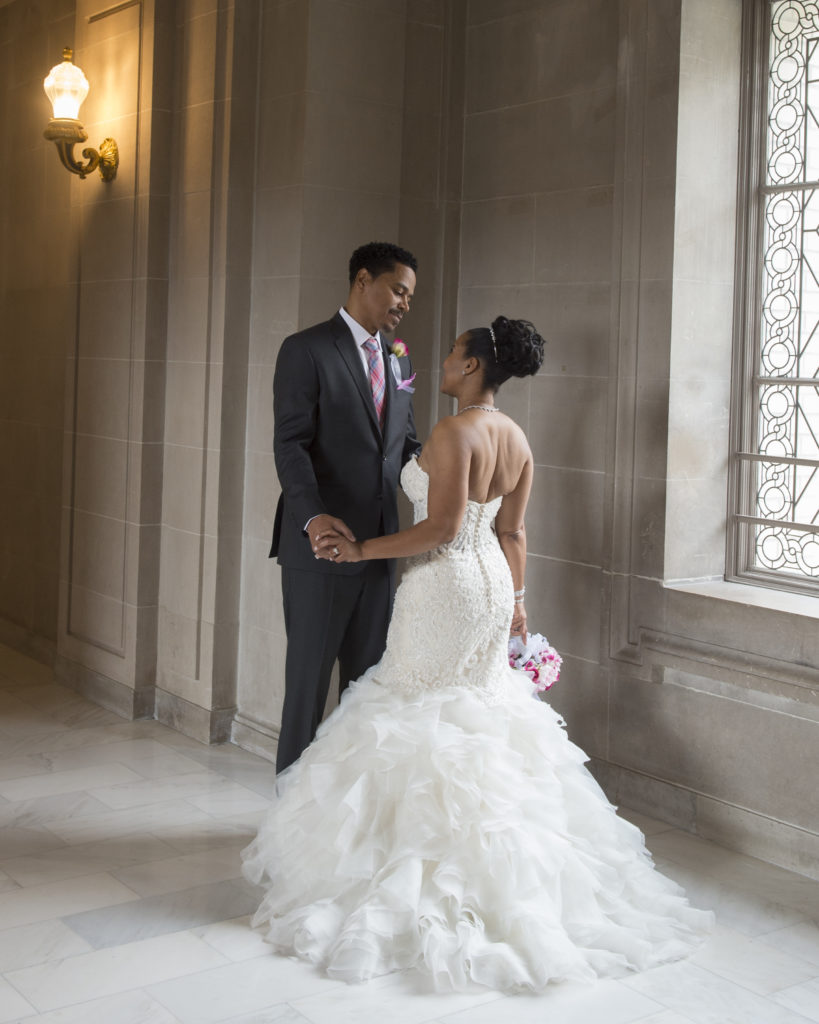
(361, 334)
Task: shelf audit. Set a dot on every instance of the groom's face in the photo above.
(382, 301)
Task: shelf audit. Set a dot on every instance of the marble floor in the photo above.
(121, 900)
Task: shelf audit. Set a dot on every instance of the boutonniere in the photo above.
(398, 350)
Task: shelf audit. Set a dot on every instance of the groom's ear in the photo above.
(362, 279)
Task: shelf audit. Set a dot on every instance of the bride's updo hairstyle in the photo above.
(517, 350)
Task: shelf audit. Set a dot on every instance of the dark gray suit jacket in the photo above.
(330, 453)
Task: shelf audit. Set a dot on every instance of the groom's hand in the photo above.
(325, 526)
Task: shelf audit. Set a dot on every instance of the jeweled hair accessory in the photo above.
(494, 346)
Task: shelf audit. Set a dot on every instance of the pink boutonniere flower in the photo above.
(399, 348)
(405, 385)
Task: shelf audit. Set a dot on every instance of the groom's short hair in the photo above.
(379, 257)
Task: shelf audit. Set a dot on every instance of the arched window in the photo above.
(774, 526)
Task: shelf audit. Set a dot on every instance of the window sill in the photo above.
(751, 596)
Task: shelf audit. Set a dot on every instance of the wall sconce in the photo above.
(66, 86)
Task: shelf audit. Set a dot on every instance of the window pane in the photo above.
(782, 285)
(782, 488)
(787, 94)
(787, 491)
(788, 551)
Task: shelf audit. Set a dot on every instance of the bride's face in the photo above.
(453, 367)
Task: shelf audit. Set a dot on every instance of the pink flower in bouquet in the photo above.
(537, 659)
(399, 348)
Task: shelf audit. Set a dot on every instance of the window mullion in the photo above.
(776, 354)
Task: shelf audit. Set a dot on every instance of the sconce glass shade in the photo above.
(66, 86)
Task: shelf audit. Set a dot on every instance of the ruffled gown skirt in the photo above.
(464, 839)
(442, 819)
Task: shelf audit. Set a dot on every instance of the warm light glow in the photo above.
(66, 86)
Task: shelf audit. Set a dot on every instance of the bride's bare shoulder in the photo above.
(512, 430)
(449, 439)
(445, 430)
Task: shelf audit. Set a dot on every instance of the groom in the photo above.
(343, 430)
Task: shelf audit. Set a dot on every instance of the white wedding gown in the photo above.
(442, 819)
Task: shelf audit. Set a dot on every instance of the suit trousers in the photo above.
(328, 617)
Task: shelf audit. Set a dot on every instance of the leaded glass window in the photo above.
(776, 524)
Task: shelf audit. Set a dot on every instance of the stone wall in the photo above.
(37, 313)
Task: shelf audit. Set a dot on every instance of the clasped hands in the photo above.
(333, 540)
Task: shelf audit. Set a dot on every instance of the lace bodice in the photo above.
(450, 624)
(477, 527)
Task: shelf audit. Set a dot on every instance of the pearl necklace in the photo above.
(484, 408)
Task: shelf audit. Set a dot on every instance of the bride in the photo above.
(442, 820)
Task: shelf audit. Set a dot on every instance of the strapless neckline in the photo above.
(469, 501)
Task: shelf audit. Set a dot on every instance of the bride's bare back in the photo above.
(488, 452)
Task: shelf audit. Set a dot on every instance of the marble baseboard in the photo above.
(255, 736)
(756, 835)
(31, 644)
(733, 827)
(649, 796)
(108, 693)
(207, 726)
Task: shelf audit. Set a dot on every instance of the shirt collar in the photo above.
(360, 334)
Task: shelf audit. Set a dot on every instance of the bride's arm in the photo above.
(511, 531)
(446, 460)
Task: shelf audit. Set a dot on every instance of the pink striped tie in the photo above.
(376, 378)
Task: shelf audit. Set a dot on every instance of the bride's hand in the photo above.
(338, 549)
(518, 627)
(348, 551)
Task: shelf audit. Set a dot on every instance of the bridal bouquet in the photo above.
(537, 658)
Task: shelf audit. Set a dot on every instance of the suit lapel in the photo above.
(390, 389)
(345, 343)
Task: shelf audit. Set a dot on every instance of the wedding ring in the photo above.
(336, 552)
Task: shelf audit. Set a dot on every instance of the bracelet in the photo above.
(521, 592)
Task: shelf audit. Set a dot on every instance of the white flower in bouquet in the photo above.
(537, 658)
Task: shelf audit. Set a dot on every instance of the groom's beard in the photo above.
(396, 315)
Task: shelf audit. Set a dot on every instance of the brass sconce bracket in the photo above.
(66, 132)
